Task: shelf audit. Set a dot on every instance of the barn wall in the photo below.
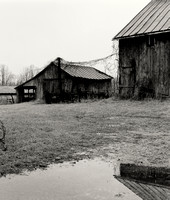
(51, 72)
(144, 66)
(92, 88)
(85, 88)
(19, 92)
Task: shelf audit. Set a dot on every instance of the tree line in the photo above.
(7, 78)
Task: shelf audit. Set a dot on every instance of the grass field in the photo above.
(40, 134)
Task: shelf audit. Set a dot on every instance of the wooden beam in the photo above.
(59, 76)
(122, 86)
(3, 94)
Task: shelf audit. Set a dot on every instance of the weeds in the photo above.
(2, 139)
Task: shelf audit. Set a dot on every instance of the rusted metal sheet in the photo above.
(146, 191)
(154, 18)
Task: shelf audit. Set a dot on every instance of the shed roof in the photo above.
(7, 90)
(153, 18)
(84, 72)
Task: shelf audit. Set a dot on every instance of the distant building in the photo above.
(7, 94)
(144, 53)
(65, 81)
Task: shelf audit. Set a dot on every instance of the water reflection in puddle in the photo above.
(85, 180)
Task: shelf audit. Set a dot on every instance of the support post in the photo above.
(59, 78)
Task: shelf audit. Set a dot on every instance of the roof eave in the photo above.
(140, 35)
(8, 93)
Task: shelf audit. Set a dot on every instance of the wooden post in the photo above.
(59, 77)
(12, 98)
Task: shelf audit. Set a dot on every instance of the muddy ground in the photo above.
(40, 134)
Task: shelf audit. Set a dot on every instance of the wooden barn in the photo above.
(7, 94)
(144, 53)
(65, 81)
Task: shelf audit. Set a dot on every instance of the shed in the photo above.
(144, 53)
(65, 81)
(7, 94)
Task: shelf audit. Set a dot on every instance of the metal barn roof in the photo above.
(154, 18)
(84, 72)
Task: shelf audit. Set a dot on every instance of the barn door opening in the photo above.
(127, 79)
(51, 90)
(132, 76)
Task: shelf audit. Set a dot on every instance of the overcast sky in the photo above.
(38, 31)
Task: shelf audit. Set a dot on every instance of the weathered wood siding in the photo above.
(49, 73)
(92, 88)
(144, 66)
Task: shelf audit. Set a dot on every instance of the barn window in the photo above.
(25, 91)
(150, 41)
(29, 93)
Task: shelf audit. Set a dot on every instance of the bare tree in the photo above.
(6, 77)
(2, 70)
(116, 63)
(28, 73)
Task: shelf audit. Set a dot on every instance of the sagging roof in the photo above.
(4, 90)
(154, 18)
(84, 72)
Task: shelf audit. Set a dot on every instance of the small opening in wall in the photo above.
(150, 40)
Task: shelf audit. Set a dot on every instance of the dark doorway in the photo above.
(51, 90)
(132, 76)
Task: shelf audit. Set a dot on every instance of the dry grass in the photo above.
(39, 134)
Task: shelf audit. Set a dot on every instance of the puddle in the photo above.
(85, 180)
